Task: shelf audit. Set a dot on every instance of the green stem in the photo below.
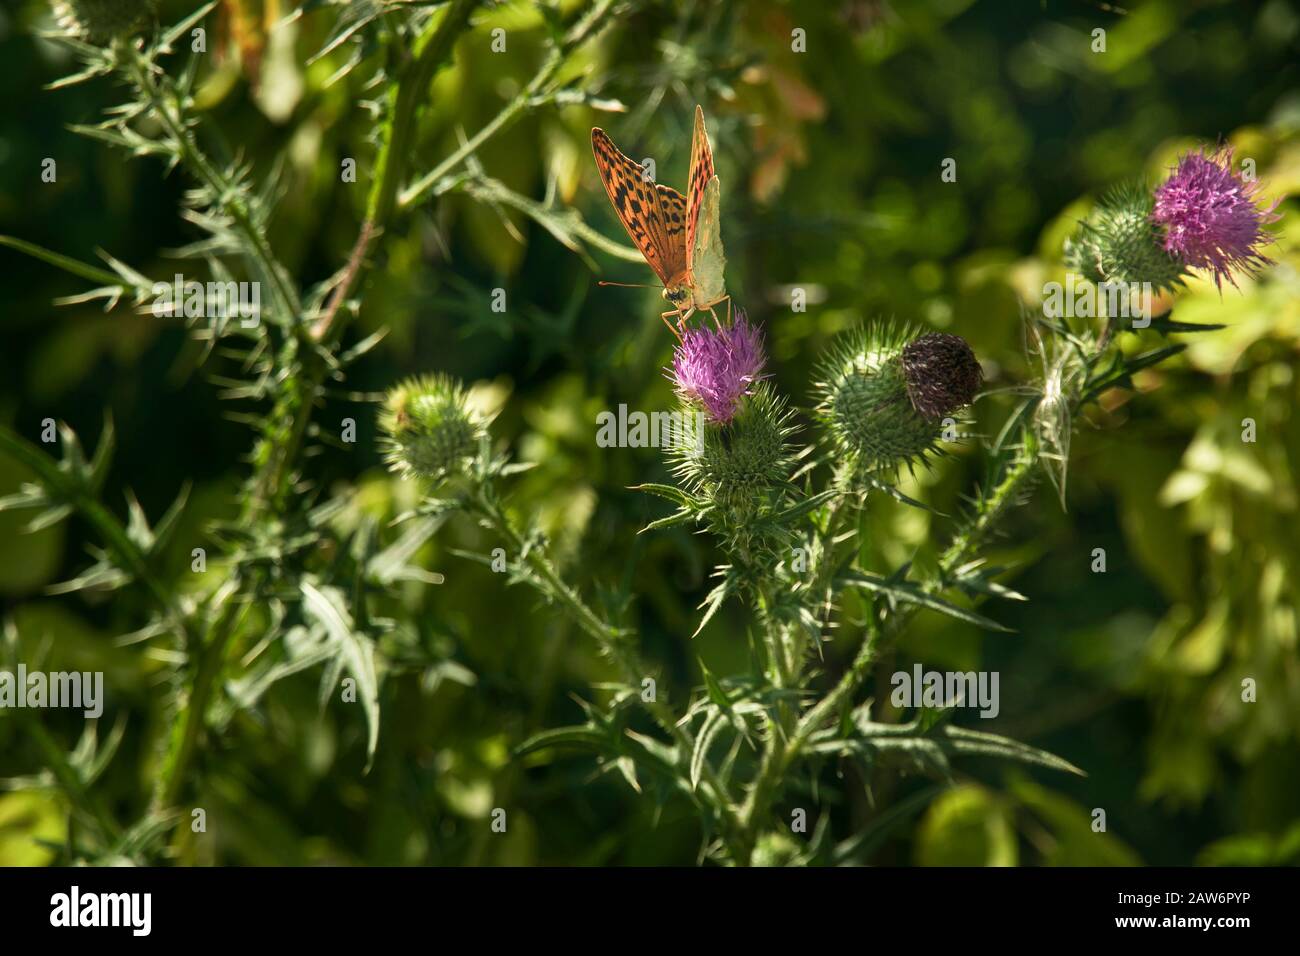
(432, 50)
(294, 411)
(779, 756)
(194, 709)
(609, 638)
(225, 194)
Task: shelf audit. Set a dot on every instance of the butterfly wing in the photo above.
(701, 175)
(705, 259)
(654, 216)
(673, 205)
(708, 261)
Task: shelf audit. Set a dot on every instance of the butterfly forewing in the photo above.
(701, 175)
(652, 215)
(673, 205)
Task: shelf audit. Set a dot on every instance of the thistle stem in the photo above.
(225, 194)
(779, 756)
(610, 639)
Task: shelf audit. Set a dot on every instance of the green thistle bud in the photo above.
(429, 430)
(736, 461)
(884, 393)
(1121, 243)
(99, 21)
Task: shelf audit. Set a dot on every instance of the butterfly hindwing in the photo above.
(708, 261)
(651, 214)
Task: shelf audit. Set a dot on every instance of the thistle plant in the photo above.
(306, 575)
(297, 584)
(886, 399)
(1204, 217)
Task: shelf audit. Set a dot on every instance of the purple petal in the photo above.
(716, 367)
(1210, 216)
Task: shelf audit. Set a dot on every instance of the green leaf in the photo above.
(936, 745)
(811, 503)
(716, 692)
(1171, 326)
(713, 601)
(979, 743)
(582, 736)
(898, 495)
(355, 652)
(73, 266)
(393, 563)
(669, 492)
(712, 724)
(678, 517)
(909, 593)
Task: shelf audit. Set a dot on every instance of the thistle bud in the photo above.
(429, 431)
(734, 461)
(883, 394)
(1120, 243)
(98, 21)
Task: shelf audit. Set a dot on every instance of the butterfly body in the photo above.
(679, 236)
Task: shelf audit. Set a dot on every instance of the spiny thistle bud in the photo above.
(884, 393)
(429, 429)
(99, 21)
(734, 461)
(1210, 216)
(1120, 243)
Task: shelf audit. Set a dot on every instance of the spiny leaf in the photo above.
(669, 492)
(74, 266)
(712, 724)
(909, 593)
(583, 736)
(354, 651)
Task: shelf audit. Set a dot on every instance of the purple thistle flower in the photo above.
(1210, 216)
(716, 367)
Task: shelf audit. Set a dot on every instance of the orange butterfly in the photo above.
(679, 235)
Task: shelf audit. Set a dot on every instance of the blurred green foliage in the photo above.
(830, 164)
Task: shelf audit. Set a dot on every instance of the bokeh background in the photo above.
(830, 162)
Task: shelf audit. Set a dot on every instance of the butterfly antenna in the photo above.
(626, 285)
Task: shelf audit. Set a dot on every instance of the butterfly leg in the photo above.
(671, 328)
(726, 299)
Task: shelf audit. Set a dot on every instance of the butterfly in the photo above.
(679, 236)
